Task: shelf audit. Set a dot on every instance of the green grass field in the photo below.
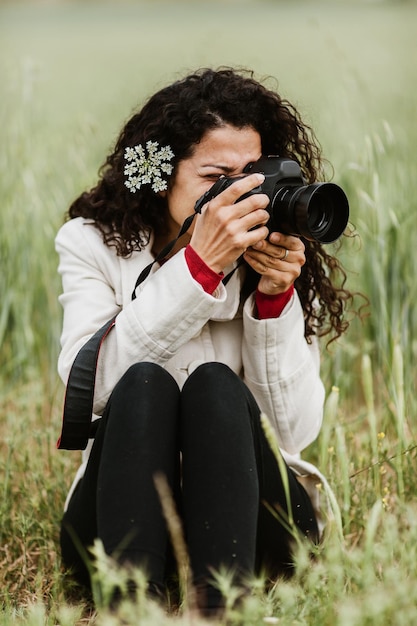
(71, 73)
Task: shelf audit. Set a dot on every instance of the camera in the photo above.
(317, 212)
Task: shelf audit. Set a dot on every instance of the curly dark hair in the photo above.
(179, 115)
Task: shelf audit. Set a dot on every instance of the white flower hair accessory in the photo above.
(146, 166)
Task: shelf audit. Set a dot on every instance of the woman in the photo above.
(220, 329)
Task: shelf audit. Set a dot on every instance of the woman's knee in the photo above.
(144, 375)
(212, 394)
(145, 390)
(211, 376)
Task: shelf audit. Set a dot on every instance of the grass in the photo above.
(71, 74)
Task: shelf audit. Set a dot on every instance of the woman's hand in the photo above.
(225, 229)
(279, 260)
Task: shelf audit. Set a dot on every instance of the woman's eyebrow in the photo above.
(225, 168)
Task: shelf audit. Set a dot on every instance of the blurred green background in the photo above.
(340, 61)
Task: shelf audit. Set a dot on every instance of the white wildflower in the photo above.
(146, 166)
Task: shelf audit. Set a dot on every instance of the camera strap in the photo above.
(78, 404)
(163, 254)
(77, 427)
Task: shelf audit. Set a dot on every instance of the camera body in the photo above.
(317, 212)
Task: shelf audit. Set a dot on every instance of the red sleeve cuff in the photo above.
(272, 306)
(202, 273)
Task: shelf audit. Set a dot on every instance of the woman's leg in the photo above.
(116, 500)
(229, 472)
(220, 481)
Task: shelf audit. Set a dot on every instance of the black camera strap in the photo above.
(77, 428)
(78, 404)
(163, 254)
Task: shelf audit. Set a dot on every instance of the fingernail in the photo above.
(257, 245)
(260, 177)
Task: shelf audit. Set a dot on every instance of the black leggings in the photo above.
(227, 474)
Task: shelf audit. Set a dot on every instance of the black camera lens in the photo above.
(316, 212)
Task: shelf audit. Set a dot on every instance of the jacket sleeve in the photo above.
(152, 327)
(282, 371)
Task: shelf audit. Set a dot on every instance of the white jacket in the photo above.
(175, 323)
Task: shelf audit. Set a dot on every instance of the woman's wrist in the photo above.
(201, 272)
(270, 306)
